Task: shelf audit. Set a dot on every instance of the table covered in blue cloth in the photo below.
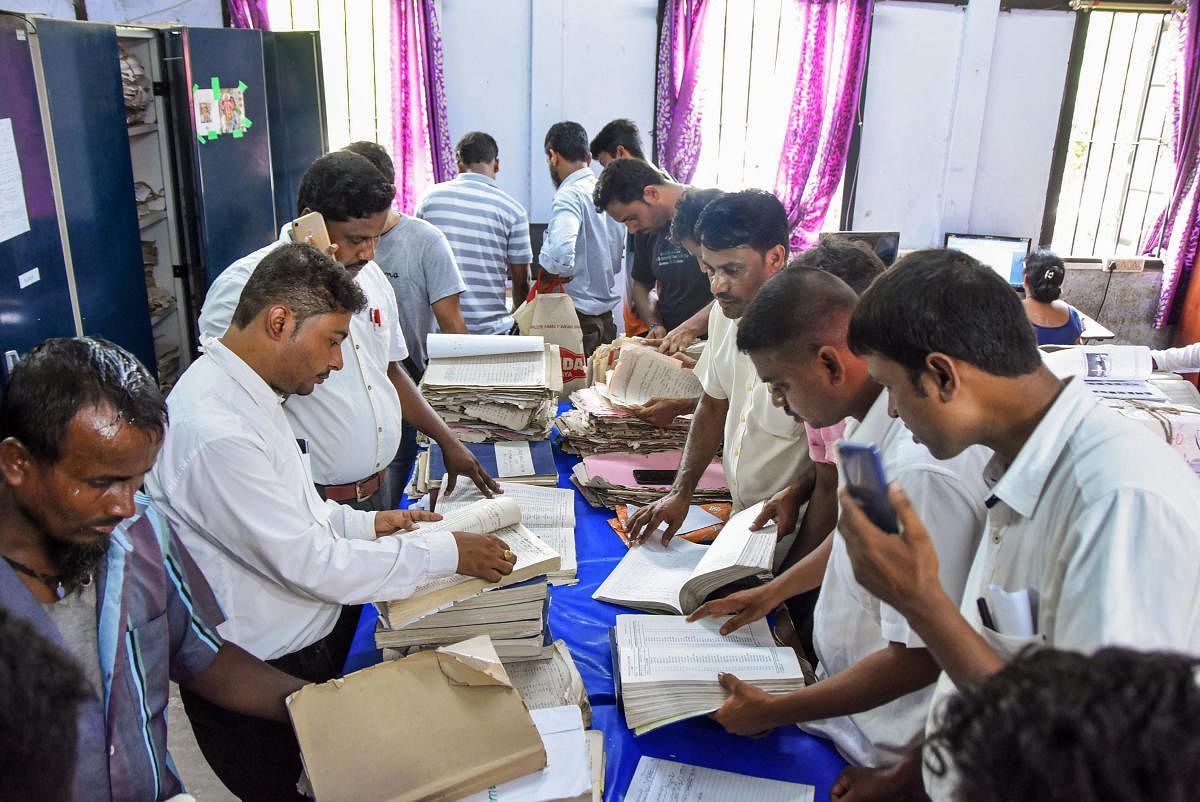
(786, 754)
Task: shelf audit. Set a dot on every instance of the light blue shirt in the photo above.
(584, 246)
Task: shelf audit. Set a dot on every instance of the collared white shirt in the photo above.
(765, 450)
(232, 481)
(352, 420)
(850, 624)
(1102, 520)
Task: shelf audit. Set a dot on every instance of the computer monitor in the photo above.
(1005, 255)
(885, 243)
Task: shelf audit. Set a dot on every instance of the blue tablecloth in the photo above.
(786, 754)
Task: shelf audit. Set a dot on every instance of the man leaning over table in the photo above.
(744, 240)
(286, 566)
(352, 423)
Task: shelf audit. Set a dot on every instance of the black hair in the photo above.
(945, 301)
(618, 133)
(1044, 273)
(59, 377)
(687, 211)
(795, 307)
(569, 140)
(1060, 726)
(343, 185)
(41, 688)
(376, 155)
(752, 217)
(476, 148)
(624, 181)
(302, 278)
(853, 261)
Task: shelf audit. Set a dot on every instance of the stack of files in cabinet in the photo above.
(514, 613)
(607, 480)
(547, 512)
(520, 461)
(667, 668)
(489, 388)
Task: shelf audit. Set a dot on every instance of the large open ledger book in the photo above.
(657, 780)
(677, 578)
(666, 668)
(499, 516)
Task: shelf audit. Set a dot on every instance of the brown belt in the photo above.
(355, 491)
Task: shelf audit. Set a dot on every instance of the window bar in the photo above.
(749, 81)
(1161, 142)
(1116, 138)
(1141, 118)
(1087, 160)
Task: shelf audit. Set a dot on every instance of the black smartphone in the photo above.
(646, 476)
(862, 468)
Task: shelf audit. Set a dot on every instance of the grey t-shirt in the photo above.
(75, 617)
(418, 262)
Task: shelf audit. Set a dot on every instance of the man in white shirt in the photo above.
(581, 246)
(744, 241)
(1091, 536)
(352, 423)
(235, 482)
(876, 676)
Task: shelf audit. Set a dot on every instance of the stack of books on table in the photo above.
(667, 668)
(547, 512)
(489, 388)
(607, 480)
(452, 608)
(518, 461)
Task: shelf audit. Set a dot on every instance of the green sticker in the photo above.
(216, 85)
(241, 86)
(246, 123)
(212, 135)
(237, 133)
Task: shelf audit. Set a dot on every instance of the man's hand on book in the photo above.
(784, 507)
(661, 412)
(483, 556)
(745, 606)
(461, 462)
(390, 521)
(671, 510)
(748, 710)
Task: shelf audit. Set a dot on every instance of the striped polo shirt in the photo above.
(487, 231)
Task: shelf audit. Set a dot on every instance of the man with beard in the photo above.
(582, 246)
(352, 423)
(94, 568)
(289, 569)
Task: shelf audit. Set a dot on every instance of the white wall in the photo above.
(205, 13)
(513, 68)
(960, 118)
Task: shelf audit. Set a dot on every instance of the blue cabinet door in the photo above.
(34, 258)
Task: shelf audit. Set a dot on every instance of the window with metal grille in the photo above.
(1114, 166)
(748, 78)
(355, 57)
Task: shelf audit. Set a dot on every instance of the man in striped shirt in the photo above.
(488, 231)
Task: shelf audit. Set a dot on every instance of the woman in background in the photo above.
(1056, 322)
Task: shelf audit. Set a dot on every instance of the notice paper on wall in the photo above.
(14, 215)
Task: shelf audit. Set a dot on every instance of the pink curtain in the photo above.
(824, 105)
(249, 14)
(420, 137)
(679, 89)
(1176, 235)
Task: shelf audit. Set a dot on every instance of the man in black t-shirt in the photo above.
(635, 193)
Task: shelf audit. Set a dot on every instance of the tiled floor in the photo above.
(198, 778)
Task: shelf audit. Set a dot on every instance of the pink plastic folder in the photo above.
(618, 469)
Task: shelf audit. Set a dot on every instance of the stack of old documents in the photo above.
(607, 480)
(492, 388)
(602, 420)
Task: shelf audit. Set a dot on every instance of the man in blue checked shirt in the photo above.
(96, 570)
(583, 247)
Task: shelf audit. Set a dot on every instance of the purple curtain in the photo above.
(1176, 234)
(679, 89)
(824, 105)
(420, 137)
(249, 14)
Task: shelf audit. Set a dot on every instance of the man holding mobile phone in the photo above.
(876, 675)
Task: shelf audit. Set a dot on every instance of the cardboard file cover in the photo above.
(435, 725)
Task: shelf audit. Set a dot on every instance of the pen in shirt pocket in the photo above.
(985, 615)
